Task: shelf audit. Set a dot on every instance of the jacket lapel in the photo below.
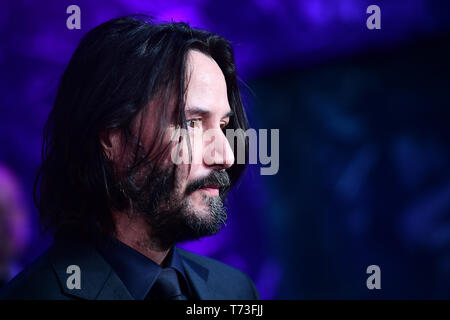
(97, 279)
(198, 278)
(114, 289)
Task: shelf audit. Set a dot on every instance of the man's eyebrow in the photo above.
(202, 112)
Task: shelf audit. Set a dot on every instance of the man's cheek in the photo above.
(186, 145)
(182, 175)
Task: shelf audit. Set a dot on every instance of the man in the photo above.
(127, 172)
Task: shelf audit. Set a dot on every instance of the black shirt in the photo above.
(137, 272)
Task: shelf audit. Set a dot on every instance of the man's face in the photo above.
(178, 203)
(207, 113)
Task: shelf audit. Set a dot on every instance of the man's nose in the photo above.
(217, 150)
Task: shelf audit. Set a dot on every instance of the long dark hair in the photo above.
(117, 69)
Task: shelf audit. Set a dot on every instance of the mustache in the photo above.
(218, 178)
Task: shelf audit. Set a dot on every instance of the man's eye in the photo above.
(194, 123)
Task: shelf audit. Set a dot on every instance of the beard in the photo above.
(169, 212)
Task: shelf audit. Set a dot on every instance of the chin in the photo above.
(201, 210)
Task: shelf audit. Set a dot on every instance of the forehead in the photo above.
(206, 87)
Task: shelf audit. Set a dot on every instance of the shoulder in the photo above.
(222, 277)
(37, 281)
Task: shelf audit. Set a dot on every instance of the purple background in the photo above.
(294, 55)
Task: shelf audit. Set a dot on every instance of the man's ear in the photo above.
(110, 139)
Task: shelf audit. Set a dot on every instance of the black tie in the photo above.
(166, 287)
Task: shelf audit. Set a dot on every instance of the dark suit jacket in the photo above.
(46, 277)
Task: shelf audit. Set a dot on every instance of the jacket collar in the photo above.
(99, 281)
(198, 276)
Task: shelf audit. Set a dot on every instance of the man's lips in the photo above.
(212, 190)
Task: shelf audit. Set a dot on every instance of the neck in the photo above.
(135, 233)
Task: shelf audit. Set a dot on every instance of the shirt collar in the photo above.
(137, 272)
